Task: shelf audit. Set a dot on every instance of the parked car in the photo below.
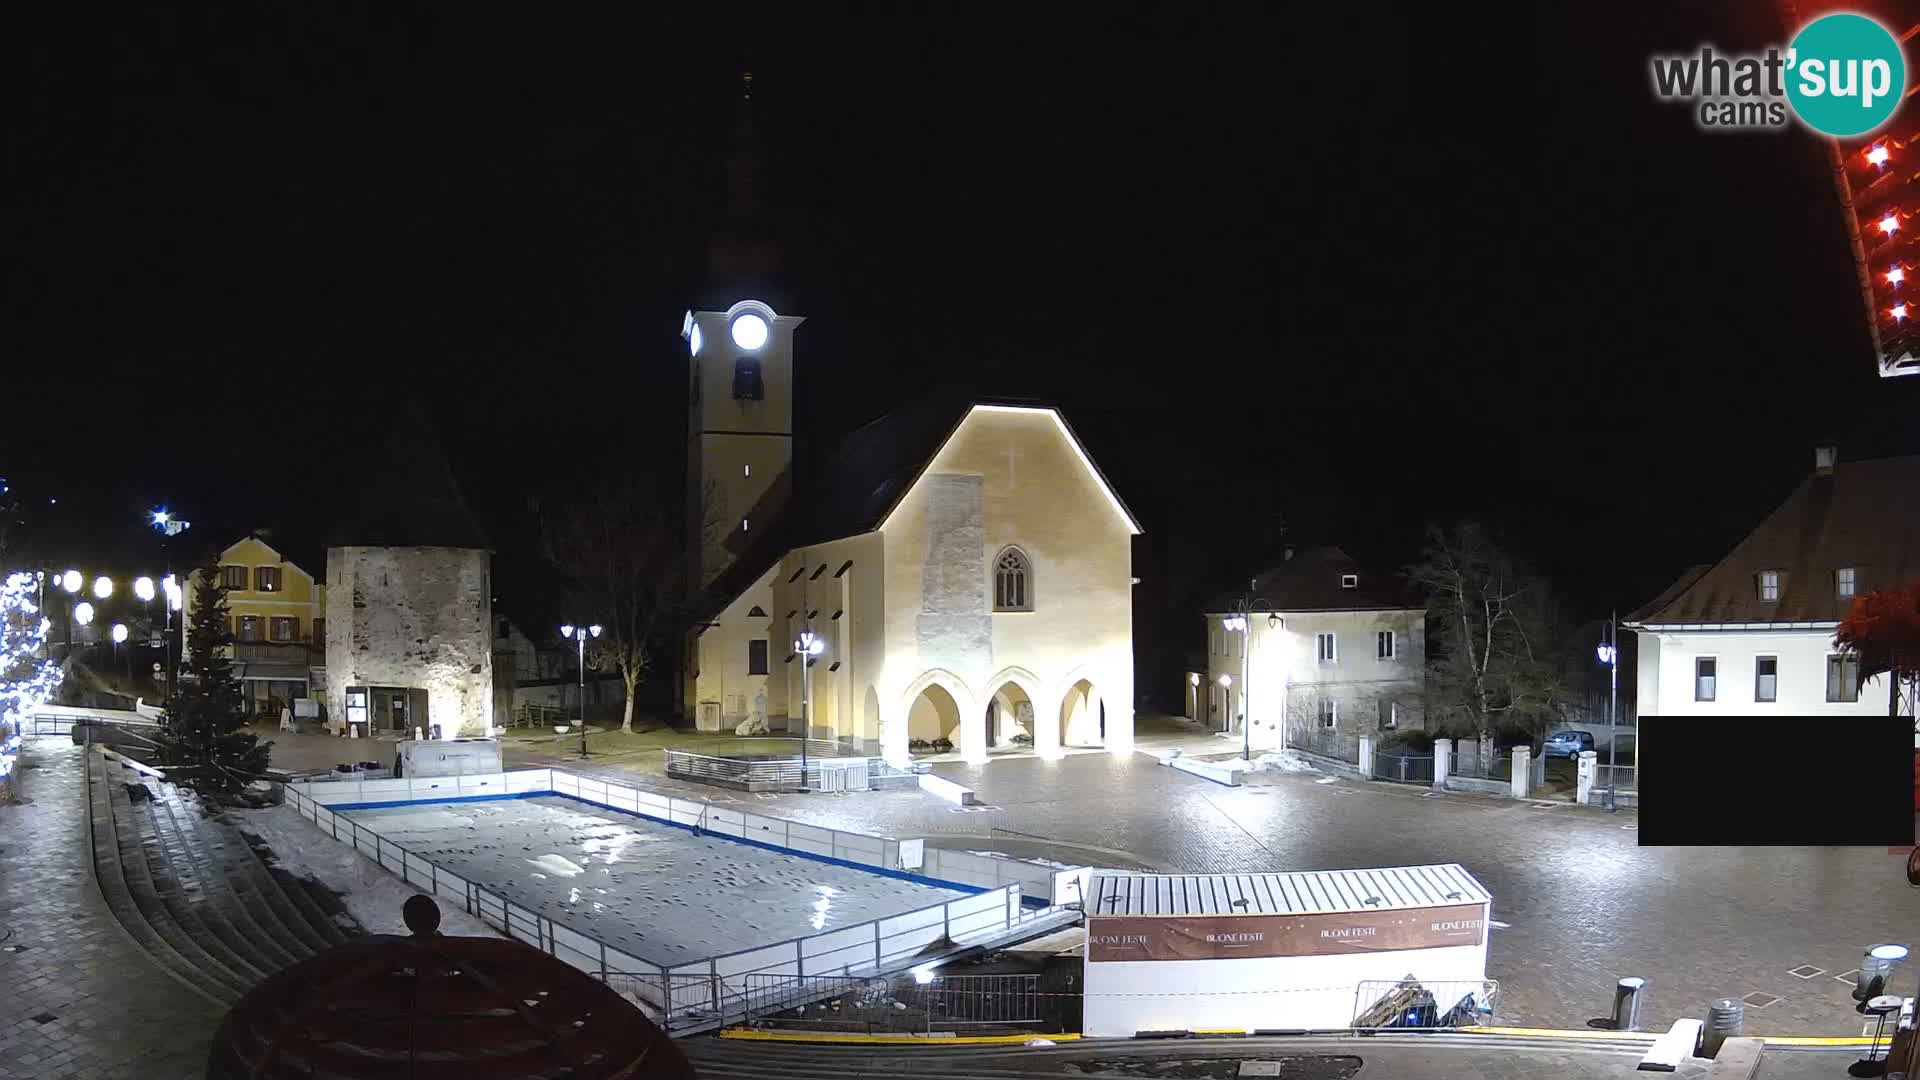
(1567, 744)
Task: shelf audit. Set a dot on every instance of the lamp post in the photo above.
(1609, 652)
(809, 646)
(580, 634)
(1237, 619)
(170, 525)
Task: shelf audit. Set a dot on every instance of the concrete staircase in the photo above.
(189, 890)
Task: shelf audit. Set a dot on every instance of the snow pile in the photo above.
(1285, 761)
(372, 895)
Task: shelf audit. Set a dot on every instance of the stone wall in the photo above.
(413, 617)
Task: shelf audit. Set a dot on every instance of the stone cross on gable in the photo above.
(1012, 455)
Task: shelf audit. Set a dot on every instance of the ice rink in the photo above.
(660, 893)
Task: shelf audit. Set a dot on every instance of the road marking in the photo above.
(1847, 976)
(1806, 971)
(1498, 925)
(1328, 780)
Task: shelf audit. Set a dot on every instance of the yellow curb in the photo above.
(887, 1040)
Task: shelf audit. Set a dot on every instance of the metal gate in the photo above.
(1403, 768)
(901, 1003)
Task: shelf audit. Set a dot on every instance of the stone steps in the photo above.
(190, 890)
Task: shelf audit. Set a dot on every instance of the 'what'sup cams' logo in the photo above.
(1842, 75)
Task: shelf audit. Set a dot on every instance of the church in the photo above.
(956, 574)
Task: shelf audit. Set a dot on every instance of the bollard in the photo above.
(1871, 980)
(1724, 1021)
(1627, 994)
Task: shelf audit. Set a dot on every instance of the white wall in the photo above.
(1666, 674)
(1288, 679)
(1279, 992)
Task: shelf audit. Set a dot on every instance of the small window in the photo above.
(757, 656)
(1324, 648)
(1769, 585)
(746, 380)
(1705, 676)
(1844, 580)
(1389, 714)
(247, 628)
(1329, 712)
(746, 470)
(1349, 581)
(1383, 644)
(233, 577)
(1843, 678)
(1012, 581)
(266, 579)
(281, 628)
(1766, 678)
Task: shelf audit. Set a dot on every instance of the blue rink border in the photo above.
(902, 875)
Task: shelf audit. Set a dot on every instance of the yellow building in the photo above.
(277, 612)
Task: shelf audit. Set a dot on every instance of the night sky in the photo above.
(1337, 273)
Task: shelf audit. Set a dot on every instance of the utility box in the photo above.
(449, 757)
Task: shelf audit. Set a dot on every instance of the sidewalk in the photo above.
(82, 1001)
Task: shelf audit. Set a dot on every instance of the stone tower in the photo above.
(740, 368)
(409, 601)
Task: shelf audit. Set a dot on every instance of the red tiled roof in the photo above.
(1864, 515)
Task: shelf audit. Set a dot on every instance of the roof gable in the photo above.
(1315, 579)
(228, 554)
(1864, 515)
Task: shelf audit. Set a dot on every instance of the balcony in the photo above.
(286, 652)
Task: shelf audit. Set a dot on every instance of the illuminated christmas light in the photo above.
(1888, 224)
(1877, 155)
(1899, 311)
(27, 680)
(1896, 275)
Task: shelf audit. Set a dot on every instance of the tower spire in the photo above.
(741, 253)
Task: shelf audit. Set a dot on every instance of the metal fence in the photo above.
(1325, 742)
(707, 992)
(1467, 762)
(1621, 776)
(1410, 1003)
(979, 1004)
(1403, 768)
(824, 770)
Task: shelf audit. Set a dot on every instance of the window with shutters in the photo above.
(266, 579)
(247, 628)
(282, 628)
(233, 577)
(757, 656)
(1012, 581)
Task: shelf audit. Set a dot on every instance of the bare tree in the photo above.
(1495, 656)
(628, 572)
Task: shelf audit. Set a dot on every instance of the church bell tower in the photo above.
(740, 368)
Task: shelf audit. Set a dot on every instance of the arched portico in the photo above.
(1081, 716)
(1014, 703)
(941, 697)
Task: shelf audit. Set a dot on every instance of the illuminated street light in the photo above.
(102, 587)
(1226, 680)
(809, 646)
(143, 589)
(172, 587)
(119, 632)
(580, 634)
(83, 613)
(71, 581)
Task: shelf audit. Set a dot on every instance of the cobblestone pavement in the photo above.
(1582, 902)
(81, 1000)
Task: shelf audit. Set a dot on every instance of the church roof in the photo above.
(1312, 579)
(1862, 515)
(408, 498)
(852, 490)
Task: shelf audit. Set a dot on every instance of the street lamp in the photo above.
(71, 581)
(1609, 653)
(143, 589)
(580, 634)
(102, 587)
(1237, 620)
(809, 646)
(83, 613)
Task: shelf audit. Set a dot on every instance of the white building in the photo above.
(1329, 649)
(1753, 633)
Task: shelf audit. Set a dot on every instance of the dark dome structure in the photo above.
(429, 1007)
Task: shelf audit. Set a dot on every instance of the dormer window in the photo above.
(1844, 580)
(1769, 586)
(1349, 581)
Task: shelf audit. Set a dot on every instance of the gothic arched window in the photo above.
(1012, 581)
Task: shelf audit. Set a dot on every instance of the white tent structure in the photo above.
(1260, 952)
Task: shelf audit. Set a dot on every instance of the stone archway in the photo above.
(1012, 712)
(867, 725)
(939, 700)
(1082, 716)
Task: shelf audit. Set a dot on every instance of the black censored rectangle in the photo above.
(1776, 781)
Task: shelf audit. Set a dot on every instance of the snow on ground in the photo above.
(663, 894)
(1286, 761)
(372, 895)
